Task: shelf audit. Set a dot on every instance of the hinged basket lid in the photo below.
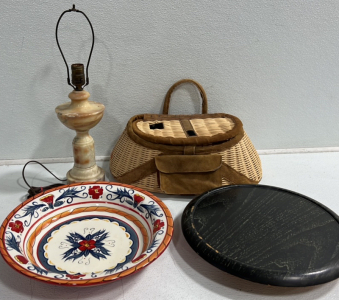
(187, 130)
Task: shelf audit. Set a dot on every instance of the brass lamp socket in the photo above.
(78, 76)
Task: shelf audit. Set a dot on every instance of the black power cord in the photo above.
(33, 190)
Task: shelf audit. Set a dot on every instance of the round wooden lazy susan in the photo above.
(264, 234)
(86, 234)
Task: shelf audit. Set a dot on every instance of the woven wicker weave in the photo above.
(128, 155)
(139, 145)
(202, 127)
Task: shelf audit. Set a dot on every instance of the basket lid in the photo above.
(186, 130)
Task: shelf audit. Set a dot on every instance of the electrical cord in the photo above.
(33, 190)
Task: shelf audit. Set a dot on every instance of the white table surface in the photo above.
(179, 273)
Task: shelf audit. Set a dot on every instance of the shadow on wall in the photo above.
(108, 131)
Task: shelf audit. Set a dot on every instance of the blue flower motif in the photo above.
(91, 244)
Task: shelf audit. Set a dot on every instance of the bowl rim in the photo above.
(95, 281)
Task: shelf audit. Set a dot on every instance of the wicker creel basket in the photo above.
(185, 154)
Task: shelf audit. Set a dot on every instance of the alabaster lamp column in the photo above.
(81, 115)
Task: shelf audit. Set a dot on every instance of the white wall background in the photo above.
(274, 64)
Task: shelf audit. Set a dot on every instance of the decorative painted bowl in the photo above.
(86, 234)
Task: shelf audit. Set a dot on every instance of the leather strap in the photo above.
(149, 167)
(174, 86)
(189, 150)
(234, 176)
(138, 173)
(187, 127)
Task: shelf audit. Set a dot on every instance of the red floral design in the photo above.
(21, 259)
(157, 225)
(95, 191)
(48, 199)
(138, 198)
(74, 276)
(16, 226)
(140, 257)
(87, 245)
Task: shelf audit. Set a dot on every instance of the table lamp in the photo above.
(81, 115)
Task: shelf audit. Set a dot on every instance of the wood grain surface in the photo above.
(264, 234)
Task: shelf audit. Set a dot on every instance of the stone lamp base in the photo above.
(81, 115)
(85, 167)
(94, 174)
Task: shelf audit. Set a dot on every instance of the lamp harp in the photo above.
(81, 115)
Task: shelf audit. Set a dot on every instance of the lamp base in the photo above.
(81, 115)
(85, 175)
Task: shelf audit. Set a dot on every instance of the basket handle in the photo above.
(174, 86)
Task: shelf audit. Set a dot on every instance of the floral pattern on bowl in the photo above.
(86, 234)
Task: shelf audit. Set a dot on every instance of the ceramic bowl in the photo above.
(86, 234)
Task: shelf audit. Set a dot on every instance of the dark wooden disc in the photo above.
(264, 234)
